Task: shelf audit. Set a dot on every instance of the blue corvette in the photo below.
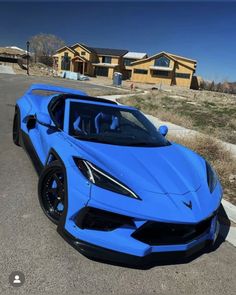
(117, 189)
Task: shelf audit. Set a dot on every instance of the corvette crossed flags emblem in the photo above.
(189, 205)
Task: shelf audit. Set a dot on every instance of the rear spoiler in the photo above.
(53, 88)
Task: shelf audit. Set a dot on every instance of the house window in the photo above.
(157, 73)
(182, 75)
(101, 71)
(83, 53)
(128, 61)
(162, 62)
(106, 59)
(140, 71)
(65, 62)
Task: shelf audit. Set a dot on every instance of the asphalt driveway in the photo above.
(29, 242)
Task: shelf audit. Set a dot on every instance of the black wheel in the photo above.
(51, 191)
(16, 128)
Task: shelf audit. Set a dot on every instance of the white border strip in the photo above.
(230, 210)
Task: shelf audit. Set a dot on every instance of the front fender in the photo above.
(77, 188)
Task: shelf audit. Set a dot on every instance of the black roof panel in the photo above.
(106, 51)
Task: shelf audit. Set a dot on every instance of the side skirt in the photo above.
(31, 152)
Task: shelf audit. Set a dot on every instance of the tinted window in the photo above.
(112, 125)
(140, 71)
(160, 73)
(106, 59)
(57, 112)
(162, 62)
(128, 61)
(101, 71)
(65, 62)
(182, 75)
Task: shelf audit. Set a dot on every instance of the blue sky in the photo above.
(204, 31)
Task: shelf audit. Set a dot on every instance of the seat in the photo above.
(83, 124)
(104, 122)
(76, 124)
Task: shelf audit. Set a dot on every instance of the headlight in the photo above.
(103, 179)
(211, 177)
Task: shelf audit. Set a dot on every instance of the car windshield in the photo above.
(112, 125)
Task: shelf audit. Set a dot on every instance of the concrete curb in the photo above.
(230, 210)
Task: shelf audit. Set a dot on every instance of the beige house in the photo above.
(128, 59)
(161, 68)
(89, 60)
(164, 68)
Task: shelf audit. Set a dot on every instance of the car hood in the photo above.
(172, 169)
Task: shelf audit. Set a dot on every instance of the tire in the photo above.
(16, 128)
(51, 191)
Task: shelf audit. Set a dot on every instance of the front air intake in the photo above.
(160, 233)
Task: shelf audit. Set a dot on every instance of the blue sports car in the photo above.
(117, 189)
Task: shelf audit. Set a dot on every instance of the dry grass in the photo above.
(218, 156)
(151, 105)
(208, 112)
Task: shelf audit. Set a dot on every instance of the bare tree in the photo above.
(212, 86)
(225, 87)
(44, 46)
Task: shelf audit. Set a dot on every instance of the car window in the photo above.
(112, 125)
(129, 118)
(58, 111)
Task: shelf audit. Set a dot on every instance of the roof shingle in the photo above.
(106, 51)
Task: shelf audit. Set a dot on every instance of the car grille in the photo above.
(160, 233)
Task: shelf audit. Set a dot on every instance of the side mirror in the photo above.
(44, 119)
(163, 130)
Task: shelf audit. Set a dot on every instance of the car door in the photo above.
(43, 136)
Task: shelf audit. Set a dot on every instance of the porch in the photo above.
(79, 65)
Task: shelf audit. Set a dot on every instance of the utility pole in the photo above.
(28, 44)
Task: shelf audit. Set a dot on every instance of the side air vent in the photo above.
(96, 219)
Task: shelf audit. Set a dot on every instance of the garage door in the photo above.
(102, 71)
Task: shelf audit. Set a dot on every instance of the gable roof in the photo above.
(81, 45)
(78, 56)
(169, 55)
(150, 58)
(182, 57)
(66, 47)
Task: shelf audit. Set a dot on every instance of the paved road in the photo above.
(30, 243)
